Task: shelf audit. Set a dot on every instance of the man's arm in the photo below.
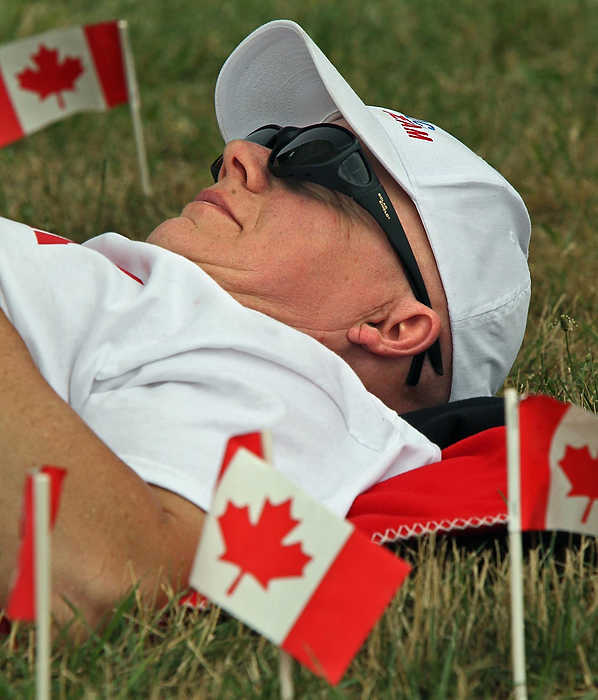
(111, 523)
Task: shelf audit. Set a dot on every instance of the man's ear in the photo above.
(403, 333)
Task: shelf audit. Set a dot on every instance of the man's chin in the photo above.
(170, 231)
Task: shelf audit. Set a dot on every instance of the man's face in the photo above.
(281, 251)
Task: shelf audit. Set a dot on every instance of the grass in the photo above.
(518, 82)
(445, 635)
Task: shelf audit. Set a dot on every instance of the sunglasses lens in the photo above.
(264, 136)
(312, 147)
(307, 153)
(354, 170)
(318, 145)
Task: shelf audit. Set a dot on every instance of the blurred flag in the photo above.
(21, 601)
(559, 466)
(50, 76)
(468, 488)
(289, 568)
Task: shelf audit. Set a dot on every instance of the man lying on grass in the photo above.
(349, 264)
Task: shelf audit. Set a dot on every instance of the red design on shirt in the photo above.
(131, 275)
(44, 238)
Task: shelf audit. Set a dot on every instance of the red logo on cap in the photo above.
(413, 130)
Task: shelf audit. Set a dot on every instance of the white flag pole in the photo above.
(285, 661)
(41, 520)
(515, 549)
(134, 104)
(285, 674)
(267, 445)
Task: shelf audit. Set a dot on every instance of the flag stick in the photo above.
(134, 103)
(267, 445)
(514, 506)
(285, 661)
(41, 519)
(285, 673)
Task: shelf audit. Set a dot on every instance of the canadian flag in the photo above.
(295, 572)
(559, 468)
(50, 76)
(468, 488)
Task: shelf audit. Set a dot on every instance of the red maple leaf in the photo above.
(51, 77)
(257, 549)
(582, 471)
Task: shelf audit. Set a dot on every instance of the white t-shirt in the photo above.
(165, 366)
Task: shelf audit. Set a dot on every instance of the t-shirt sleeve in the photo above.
(53, 291)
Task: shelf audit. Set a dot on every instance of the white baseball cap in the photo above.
(477, 224)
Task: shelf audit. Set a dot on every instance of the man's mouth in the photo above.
(212, 198)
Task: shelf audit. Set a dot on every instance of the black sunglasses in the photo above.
(331, 156)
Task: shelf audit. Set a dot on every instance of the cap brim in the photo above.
(278, 75)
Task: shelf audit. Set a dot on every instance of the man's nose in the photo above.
(247, 162)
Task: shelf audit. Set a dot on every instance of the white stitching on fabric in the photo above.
(404, 532)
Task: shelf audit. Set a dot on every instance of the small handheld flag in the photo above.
(21, 601)
(292, 570)
(559, 468)
(48, 77)
(465, 491)
(30, 596)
